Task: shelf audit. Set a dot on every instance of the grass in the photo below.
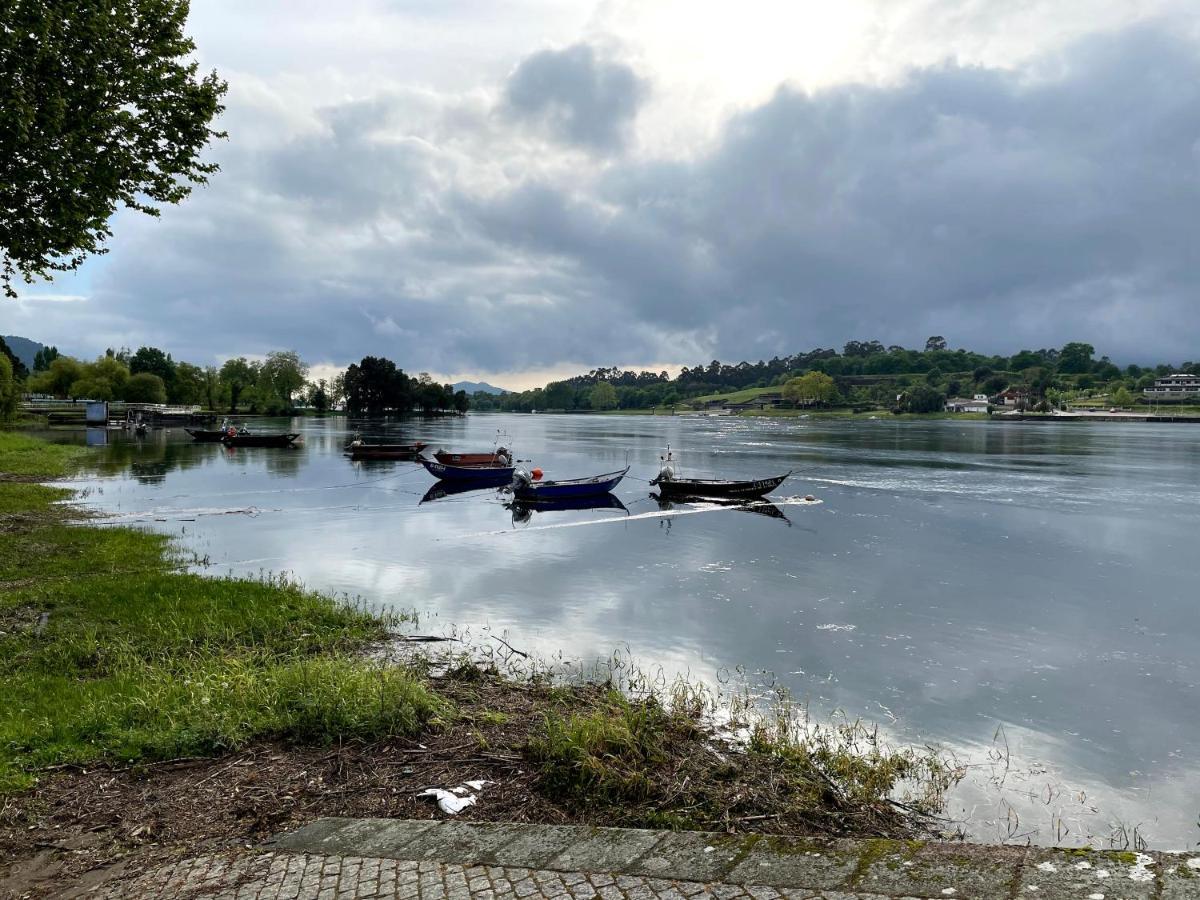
(657, 761)
(109, 653)
(735, 396)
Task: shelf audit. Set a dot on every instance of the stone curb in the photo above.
(895, 868)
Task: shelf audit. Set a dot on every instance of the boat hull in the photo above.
(569, 490)
(204, 435)
(465, 459)
(385, 451)
(693, 487)
(484, 475)
(259, 440)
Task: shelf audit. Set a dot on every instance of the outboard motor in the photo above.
(521, 479)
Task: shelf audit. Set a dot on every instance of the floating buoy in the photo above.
(809, 497)
(537, 474)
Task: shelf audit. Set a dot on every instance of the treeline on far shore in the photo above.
(276, 385)
(864, 374)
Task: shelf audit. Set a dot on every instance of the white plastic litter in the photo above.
(455, 800)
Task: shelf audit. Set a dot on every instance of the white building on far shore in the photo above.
(1174, 387)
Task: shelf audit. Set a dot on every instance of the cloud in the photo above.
(1003, 207)
(581, 98)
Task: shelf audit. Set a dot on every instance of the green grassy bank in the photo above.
(109, 652)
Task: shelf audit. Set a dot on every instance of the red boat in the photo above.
(499, 457)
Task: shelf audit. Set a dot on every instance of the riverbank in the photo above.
(146, 712)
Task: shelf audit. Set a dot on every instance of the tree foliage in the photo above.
(19, 371)
(145, 387)
(812, 387)
(603, 396)
(100, 106)
(8, 390)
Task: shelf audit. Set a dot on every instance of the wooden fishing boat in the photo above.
(716, 487)
(526, 488)
(385, 451)
(259, 440)
(499, 455)
(670, 485)
(210, 435)
(483, 475)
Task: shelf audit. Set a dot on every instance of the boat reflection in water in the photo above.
(523, 510)
(439, 490)
(759, 506)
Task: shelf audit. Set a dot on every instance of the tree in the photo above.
(280, 376)
(100, 106)
(318, 395)
(375, 385)
(922, 399)
(236, 376)
(188, 386)
(8, 390)
(212, 387)
(603, 396)
(560, 395)
(146, 387)
(154, 361)
(937, 342)
(812, 387)
(1122, 397)
(1076, 358)
(57, 380)
(461, 401)
(104, 379)
(43, 358)
(18, 368)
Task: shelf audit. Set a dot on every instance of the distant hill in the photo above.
(472, 386)
(24, 348)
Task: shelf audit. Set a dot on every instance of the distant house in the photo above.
(1011, 397)
(962, 405)
(1174, 387)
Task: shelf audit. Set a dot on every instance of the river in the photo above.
(1022, 595)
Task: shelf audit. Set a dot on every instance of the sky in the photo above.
(525, 190)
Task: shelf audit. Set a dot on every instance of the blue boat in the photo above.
(526, 489)
(481, 475)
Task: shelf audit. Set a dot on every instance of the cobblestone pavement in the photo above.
(370, 859)
(299, 876)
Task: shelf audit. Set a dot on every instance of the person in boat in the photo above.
(666, 470)
(503, 457)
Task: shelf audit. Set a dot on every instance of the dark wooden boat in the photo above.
(385, 451)
(259, 440)
(473, 459)
(715, 487)
(206, 434)
(481, 475)
(593, 486)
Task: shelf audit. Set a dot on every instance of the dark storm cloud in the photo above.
(583, 99)
(1000, 208)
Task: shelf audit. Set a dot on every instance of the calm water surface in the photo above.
(1023, 595)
